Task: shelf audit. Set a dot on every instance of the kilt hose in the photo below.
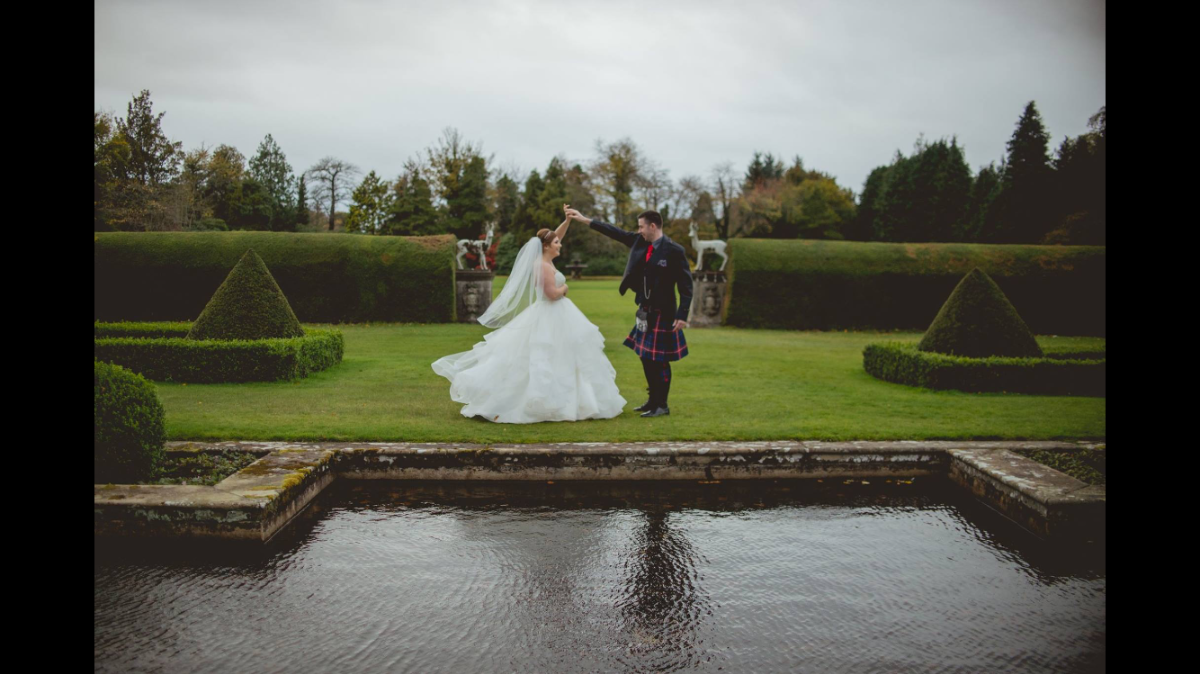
(657, 346)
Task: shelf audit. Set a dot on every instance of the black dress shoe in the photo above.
(644, 407)
(660, 412)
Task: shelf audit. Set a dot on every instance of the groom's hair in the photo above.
(652, 217)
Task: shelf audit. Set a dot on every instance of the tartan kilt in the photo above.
(659, 342)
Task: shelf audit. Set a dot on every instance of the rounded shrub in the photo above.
(130, 428)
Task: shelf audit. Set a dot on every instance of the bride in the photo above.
(546, 361)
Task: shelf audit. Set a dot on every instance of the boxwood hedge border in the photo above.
(159, 351)
(1080, 373)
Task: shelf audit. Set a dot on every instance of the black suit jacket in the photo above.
(666, 270)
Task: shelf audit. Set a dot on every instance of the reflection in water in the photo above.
(663, 602)
(765, 576)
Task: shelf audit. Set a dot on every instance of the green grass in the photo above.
(736, 384)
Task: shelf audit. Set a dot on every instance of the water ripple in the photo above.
(636, 578)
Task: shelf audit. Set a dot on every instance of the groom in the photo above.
(656, 266)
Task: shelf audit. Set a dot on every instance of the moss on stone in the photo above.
(247, 305)
(978, 321)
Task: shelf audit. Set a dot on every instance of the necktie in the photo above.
(649, 250)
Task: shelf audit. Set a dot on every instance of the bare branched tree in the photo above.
(332, 180)
(653, 186)
(725, 183)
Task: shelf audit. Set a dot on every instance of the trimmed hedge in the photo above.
(806, 284)
(130, 426)
(135, 329)
(327, 278)
(178, 359)
(1056, 374)
(978, 321)
(248, 305)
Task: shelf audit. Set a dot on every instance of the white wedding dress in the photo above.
(546, 363)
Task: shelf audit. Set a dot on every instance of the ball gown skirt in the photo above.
(546, 364)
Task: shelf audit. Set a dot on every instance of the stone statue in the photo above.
(480, 248)
(716, 245)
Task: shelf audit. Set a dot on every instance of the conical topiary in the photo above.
(978, 321)
(248, 305)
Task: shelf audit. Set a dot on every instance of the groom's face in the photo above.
(646, 229)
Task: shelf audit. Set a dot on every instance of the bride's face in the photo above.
(553, 249)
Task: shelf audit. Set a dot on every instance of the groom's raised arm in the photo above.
(614, 232)
(627, 238)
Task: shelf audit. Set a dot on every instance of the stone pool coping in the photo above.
(260, 500)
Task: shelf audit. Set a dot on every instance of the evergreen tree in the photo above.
(796, 173)
(984, 189)
(370, 206)
(523, 220)
(254, 207)
(458, 172)
(549, 211)
(1028, 181)
(507, 200)
(270, 168)
(1079, 187)
(863, 228)
(153, 159)
(755, 173)
(896, 198)
(579, 191)
(412, 211)
(994, 222)
(467, 202)
(945, 189)
(301, 219)
(919, 198)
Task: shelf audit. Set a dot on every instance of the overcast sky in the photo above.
(843, 84)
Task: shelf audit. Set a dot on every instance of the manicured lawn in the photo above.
(735, 384)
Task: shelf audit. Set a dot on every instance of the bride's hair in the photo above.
(546, 235)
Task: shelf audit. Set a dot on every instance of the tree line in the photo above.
(144, 181)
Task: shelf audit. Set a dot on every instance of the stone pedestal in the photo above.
(708, 298)
(473, 293)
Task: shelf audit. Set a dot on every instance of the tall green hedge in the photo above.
(807, 284)
(327, 278)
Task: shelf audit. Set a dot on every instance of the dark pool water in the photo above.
(769, 576)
